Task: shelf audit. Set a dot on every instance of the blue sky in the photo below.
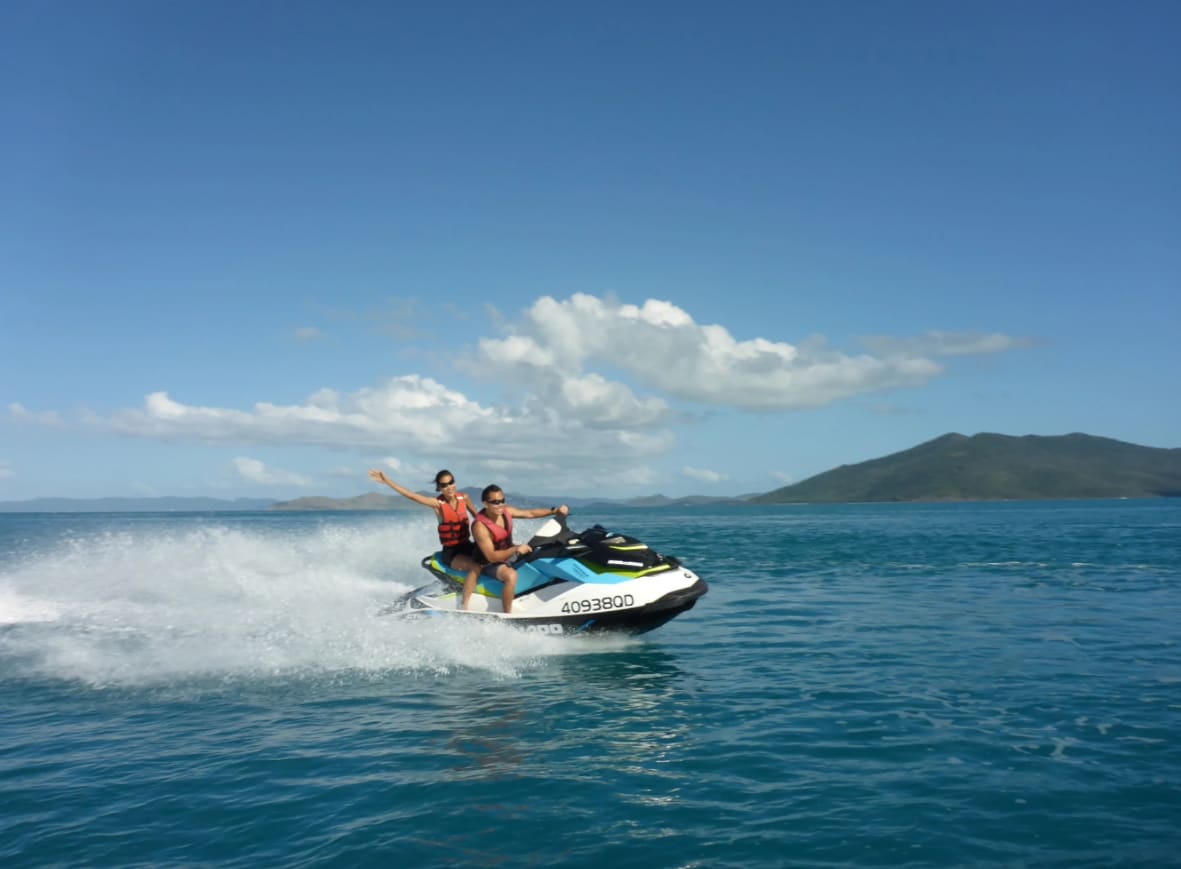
(253, 249)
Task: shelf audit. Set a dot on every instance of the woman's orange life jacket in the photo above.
(502, 538)
(453, 521)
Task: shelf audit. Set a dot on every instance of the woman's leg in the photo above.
(463, 562)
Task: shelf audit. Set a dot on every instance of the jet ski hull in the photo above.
(443, 602)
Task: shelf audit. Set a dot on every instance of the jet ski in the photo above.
(571, 583)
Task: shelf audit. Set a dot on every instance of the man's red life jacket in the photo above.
(502, 538)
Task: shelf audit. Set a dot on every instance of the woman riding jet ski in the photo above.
(571, 583)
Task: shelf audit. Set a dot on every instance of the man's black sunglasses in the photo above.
(496, 503)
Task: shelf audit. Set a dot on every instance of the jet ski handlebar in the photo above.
(555, 537)
(553, 531)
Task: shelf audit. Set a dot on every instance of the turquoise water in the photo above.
(921, 685)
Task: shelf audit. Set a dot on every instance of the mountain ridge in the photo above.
(996, 467)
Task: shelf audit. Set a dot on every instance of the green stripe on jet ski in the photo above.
(627, 574)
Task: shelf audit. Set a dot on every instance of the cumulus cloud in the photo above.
(411, 409)
(594, 401)
(257, 472)
(661, 347)
(703, 475)
(413, 415)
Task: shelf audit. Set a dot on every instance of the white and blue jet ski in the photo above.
(572, 583)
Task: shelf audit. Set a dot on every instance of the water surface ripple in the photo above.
(902, 685)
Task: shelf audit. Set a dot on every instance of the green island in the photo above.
(996, 467)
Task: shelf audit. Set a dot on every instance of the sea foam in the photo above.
(148, 604)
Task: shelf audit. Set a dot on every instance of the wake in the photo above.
(145, 605)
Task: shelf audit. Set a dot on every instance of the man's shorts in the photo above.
(490, 569)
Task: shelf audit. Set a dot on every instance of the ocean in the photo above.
(878, 685)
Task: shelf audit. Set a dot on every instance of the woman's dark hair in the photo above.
(489, 491)
(443, 473)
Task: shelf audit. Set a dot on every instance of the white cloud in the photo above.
(49, 418)
(563, 419)
(417, 416)
(6, 472)
(782, 478)
(704, 475)
(307, 333)
(411, 410)
(660, 346)
(600, 403)
(257, 472)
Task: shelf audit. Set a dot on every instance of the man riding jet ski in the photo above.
(571, 583)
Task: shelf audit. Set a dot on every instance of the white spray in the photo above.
(200, 599)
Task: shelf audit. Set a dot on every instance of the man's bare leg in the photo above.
(508, 576)
(462, 562)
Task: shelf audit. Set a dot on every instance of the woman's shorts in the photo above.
(467, 548)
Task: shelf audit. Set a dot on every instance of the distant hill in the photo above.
(989, 467)
(133, 505)
(368, 501)
(665, 501)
